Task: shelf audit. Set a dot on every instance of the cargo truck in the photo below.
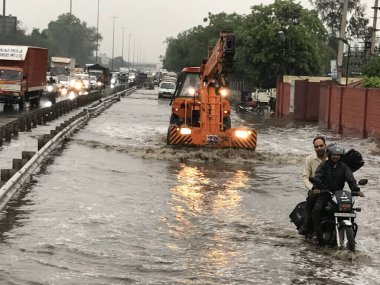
(61, 65)
(22, 74)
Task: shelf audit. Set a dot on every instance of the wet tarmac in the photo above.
(115, 205)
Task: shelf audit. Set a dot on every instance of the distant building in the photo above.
(104, 59)
(8, 24)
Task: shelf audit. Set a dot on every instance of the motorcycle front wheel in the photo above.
(350, 239)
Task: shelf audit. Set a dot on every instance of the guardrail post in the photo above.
(8, 133)
(35, 120)
(27, 154)
(16, 127)
(18, 163)
(1, 136)
(28, 124)
(6, 174)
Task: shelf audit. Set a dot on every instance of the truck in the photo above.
(201, 112)
(22, 74)
(61, 65)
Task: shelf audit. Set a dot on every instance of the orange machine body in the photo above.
(200, 112)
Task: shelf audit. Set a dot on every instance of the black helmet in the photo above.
(335, 148)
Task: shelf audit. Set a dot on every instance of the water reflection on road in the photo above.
(120, 207)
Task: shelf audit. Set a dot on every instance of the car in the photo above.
(166, 89)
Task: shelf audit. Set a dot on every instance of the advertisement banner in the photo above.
(13, 52)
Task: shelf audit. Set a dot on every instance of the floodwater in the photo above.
(115, 205)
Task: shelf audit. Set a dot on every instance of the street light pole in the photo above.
(122, 49)
(129, 50)
(4, 17)
(71, 6)
(97, 35)
(113, 40)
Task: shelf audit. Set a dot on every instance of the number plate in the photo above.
(345, 215)
(212, 139)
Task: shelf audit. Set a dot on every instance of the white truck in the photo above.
(62, 65)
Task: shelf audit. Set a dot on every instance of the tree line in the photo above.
(276, 39)
(67, 36)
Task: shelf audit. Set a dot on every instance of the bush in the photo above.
(372, 82)
(372, 68)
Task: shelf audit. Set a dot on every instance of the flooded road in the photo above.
(116, 206)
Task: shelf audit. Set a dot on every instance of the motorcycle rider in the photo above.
(311, 164)
(332, 175)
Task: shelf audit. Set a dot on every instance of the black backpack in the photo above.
(353, 159)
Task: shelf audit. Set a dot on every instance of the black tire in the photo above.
(260, 111)
(175, 120)
(168, 136)
(350, 239)
(227, 123)
(21, 103)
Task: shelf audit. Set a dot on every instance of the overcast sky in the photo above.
(149, 22)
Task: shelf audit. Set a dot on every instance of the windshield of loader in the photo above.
(191, 81)
(10, 75)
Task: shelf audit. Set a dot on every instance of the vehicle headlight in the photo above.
(78, 85)
(71, 95)
(191, 91)
(64, 91)
(242, 134)
(99, 83)
(49, 88)
(223, 92)
(185, 131)
(113, 81)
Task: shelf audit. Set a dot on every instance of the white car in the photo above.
(166, 89)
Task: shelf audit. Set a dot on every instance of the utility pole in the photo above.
(342, 34)
(129, 49)
(134, 49)
(122, 48)
(71, 6)
(4, 17)
(374, 27)
(113, 40)
(97, 35)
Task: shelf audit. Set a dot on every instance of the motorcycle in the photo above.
(337, 224)
(337, 220)
(249, 107)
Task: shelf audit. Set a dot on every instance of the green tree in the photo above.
(67, 37)
(330, 12)
(192, 45)
(70, 37)
(281, 38)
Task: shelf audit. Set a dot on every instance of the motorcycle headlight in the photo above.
(49, 88)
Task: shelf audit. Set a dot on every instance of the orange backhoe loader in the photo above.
(200, 111)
